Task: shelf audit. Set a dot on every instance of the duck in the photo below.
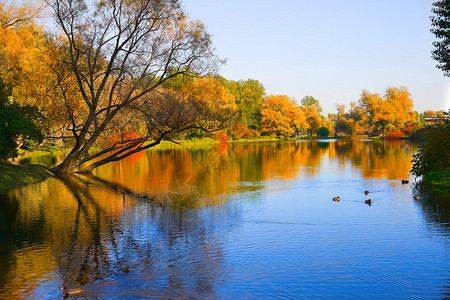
(366, 192)
(369, 202)
(337, 199)
(416, 197)
(405, 181)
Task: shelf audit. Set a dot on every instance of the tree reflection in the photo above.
(435, 207)
(152, 250)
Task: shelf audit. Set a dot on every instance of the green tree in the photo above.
(323, 132)
(433, 158)
(18, 124)
(249, 96)
(342, 126)
(309, 101)
(422, 119)
(441, 29)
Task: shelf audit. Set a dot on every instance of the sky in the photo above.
(328, 49)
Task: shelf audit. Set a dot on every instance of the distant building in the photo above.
(434, 120)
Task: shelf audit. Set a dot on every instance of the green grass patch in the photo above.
(12, 176)
(440, 180)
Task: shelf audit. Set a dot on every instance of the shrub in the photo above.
(394, 135)
(18, 124)
(433, 157)
(342, 126)
(221, 137)
(323, 132)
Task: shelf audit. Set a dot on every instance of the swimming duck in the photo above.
(369, 202)
(337, 199)
(366, 192)
(405, 181)
(416, 197)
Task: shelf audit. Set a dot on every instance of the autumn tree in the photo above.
(162, 114)
(440, 27)
(391, 112)
(21, 76)
(430, 113)
(309, 101)
(14, 13)
(342, 126)
(118, 53)
(281, 116)
(313, 118)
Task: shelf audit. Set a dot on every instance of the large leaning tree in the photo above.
(110, 58)
(440, 23)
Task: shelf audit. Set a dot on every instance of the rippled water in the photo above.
(245, 221)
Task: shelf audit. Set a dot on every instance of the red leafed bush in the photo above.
(240, 131)
(408, 130)
(221, 137)
(121, 137)
(394, 135)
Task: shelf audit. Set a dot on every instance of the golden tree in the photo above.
(118, 53)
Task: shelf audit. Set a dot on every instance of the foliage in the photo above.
(221, 137)
(313, 119)
(239, 131)
(342, 126)
(281, 116)
(323, 132)
(309, 101)
(110, 59)
(391, 112)
(17, 124)
(248, 96)
(394, 134)
(430, 113)
(441, 29)
(433, 157)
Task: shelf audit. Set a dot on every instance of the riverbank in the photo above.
(12, 176)
(439, 180)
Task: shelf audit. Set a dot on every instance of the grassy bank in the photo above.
(439, 180)
(12, 176)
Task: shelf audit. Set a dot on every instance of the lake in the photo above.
(241, 220)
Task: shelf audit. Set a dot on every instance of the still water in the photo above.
(247, 221)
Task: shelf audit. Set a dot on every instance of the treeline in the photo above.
(256, 113)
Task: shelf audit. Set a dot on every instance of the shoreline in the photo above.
(13, 176)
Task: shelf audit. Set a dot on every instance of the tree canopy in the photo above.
(113, 54)
(309, 101)
(440, 27)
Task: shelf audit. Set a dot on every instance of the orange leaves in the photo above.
(280, 115)
(392, 112)
(210, 93)
(394, 134)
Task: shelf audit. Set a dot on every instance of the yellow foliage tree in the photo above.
(313, 118)
(391, 112)
(281, 116)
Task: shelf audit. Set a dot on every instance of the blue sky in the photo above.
(327, 49)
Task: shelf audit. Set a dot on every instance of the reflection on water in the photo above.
(231, 221)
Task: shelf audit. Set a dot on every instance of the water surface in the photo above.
(245, 221)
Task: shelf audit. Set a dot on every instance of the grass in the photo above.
(12, 176)
(440, 180)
